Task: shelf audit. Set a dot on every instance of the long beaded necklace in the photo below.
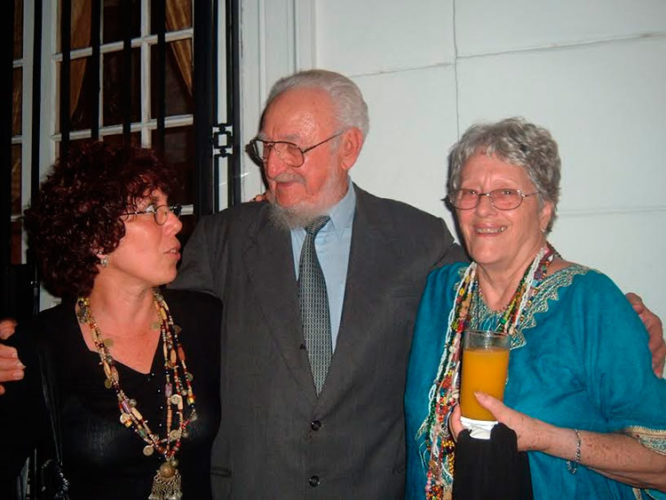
(443, 395)
(177, 387)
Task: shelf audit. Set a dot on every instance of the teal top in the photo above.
(578, 360)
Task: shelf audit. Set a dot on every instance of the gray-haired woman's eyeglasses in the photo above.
(501, 199)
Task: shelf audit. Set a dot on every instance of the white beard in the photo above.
(291, 218)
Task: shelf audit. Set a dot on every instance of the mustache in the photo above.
(287, 177)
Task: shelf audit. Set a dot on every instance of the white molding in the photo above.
(277, 38)
(144, 126)
(145, 75)
(221, 96)
(49, 97)
(107, 48)
(305, 30)
(26, 105)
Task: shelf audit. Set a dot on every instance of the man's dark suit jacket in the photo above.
(277, 439)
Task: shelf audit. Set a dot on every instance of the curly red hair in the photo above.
(80, 208)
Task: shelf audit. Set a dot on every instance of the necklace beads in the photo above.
(444, 391)
(178, 393)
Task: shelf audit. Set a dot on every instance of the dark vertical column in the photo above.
(126, 79)
(203, 106)
(6, 84)
(93, 67)
(65, 47)
(160, 86)
(233, 99)
(35, 138)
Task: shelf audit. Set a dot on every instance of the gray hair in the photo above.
(350, 108)
(515, 141)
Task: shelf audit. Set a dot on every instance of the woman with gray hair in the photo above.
(579, 384)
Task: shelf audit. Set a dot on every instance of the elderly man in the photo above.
(314, 413)
(318, 311)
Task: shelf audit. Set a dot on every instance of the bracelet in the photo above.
(573, 467)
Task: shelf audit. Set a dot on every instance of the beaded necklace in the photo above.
(177, 387)
(443, 395)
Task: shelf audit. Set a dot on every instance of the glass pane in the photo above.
(79, 24)
(113, 81)
(16, 179)
(178, 83)
(115, 19)
(117, 140)
(18, 29)
(178, 15)
(80, 28)
(17, 101)
(16, 248)
(80, 93)
(16, 243)
(179, 152)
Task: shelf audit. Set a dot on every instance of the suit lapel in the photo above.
(268, 259)
(370, 256)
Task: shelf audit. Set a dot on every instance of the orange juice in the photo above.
(482, 370)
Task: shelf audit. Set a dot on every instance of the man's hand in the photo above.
(655, 330)
(11, 367)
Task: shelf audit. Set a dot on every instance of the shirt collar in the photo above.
(342, 213)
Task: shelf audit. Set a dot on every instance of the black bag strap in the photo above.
(58, 486)
(51, 401)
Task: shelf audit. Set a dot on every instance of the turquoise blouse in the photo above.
(579, 360)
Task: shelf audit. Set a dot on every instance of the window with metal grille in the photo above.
(121, 71)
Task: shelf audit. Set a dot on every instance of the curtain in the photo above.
(179, 15)
(80, 37)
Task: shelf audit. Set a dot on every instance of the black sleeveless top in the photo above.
(102, 458)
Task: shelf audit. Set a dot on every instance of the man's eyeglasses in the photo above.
(160, 213)
(501, 199)
(288, 152)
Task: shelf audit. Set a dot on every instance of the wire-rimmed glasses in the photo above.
(501, 199)
(160, 213)
(290, 153)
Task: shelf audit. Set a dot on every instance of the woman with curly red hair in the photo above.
(122, 379)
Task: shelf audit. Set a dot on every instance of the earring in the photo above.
(104, 261)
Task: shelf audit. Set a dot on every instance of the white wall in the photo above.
(594, 73)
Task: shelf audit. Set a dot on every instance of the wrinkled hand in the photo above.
(655, 330)
(11, 367)
(531, 433)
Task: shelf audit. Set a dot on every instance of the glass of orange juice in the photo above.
(484, 369)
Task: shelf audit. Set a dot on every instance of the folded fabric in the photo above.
(491, 469)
